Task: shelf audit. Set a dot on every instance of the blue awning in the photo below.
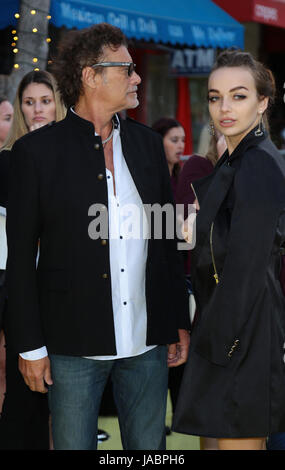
(7, 12)
(186, 22)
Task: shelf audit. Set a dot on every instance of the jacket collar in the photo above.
(83, 125)
(250, 140)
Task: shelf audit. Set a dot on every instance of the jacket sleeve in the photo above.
(23, 233)
(259, 199)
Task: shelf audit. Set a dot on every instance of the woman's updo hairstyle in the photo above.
(263, 77)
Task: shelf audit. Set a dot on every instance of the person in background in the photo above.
(6, 115)
(24, 422)
(173, 136)
(233, 387)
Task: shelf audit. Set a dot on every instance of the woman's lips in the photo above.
(38, 119)
(227, 122)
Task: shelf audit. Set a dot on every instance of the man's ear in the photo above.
(89, 77)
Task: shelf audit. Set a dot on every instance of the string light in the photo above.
(34, 30)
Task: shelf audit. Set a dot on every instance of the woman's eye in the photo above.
(239, 97)
(46, 101)
(29, 102)
(213, 99)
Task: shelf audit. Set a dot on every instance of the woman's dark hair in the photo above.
(263, 77)
(3, 98)
(79, 49)
(162, 126)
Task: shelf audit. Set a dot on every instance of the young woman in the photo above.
(233, 388)
(25, 415)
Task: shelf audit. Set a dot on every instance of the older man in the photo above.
(96, 306)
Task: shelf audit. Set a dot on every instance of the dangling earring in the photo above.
(259, 130)
(211, 128)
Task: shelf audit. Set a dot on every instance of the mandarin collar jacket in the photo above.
(56, 174)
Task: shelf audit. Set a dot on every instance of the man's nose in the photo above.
(136, 79)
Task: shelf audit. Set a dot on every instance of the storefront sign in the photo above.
(187, 62)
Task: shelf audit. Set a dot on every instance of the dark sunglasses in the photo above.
(131, 66)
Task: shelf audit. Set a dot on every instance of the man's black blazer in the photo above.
(57, 173)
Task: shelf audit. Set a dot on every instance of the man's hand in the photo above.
(36, 373)
(178, 352)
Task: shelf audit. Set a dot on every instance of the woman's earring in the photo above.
(259, 130)
(211, 128)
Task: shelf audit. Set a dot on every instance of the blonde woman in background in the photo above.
(24, 422)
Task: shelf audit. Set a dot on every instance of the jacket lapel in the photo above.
(213, 189)
(134, 154)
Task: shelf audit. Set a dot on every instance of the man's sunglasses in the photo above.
(131, 66)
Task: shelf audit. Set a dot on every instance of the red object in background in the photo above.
(183, 113)
(271, 12)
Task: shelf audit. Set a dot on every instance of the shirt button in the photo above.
(125, 303)
(122, 270)
(103, 242)
(97, 146)
(105, 276)
(100, 176)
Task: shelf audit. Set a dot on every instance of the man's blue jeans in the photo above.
(140, 393)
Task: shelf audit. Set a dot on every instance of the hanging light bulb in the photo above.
(13, 31)
(15, 50)
(33, 12)
(15, 38)
(48, 17)
(35, 59)
(16, 66)
(35, 30)
(17, 15)
(48, 39)
(36, 69)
